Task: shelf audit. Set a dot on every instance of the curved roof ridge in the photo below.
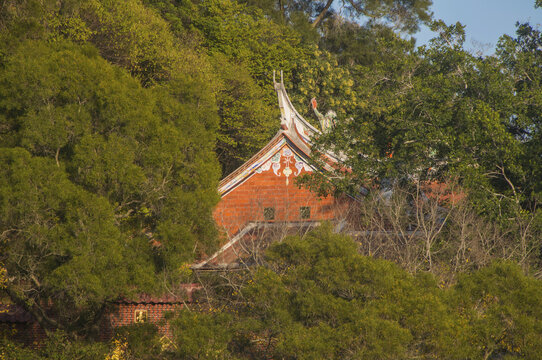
(284, 101)
(294, 130)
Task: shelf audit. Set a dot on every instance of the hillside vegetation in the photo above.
(118, 118)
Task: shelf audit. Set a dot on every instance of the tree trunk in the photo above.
(282, 11)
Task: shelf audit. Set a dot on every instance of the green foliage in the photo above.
(244, 35)
(521, 58)
(146, 155)
(57, 346)
(354, 44)
(368, 308)
(242, 107)
(502, 309)
(318, 298)
(12, 351)
(143, 340)
(61, 242)
(243, 47)
(319, 75)
(403, 16)
(202, 335)
(139, 148)
(319, 310)
(240, 33)
(440, 113)
(132, 36)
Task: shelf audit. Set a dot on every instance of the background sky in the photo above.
(485, 20)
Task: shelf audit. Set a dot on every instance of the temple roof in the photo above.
(291, 122)
(294, 131)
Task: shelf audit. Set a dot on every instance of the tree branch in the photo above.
(34, 309)
(322, 14)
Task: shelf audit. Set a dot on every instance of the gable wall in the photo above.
(270, 187)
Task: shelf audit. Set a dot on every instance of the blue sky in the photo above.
(485, 20)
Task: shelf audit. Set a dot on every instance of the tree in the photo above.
(521, 58)
(147, 157)
(316, 297)
(502, 309)
(365, 45)
(61, 248)
(203, 335)
(405, 128)
(58, 345)
(138, 135)
(404, 15)
(243, 47)
(243, 107)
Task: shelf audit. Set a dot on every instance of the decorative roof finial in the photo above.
(327, 121)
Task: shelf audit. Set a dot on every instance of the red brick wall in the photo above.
(247, 202)
(122, 314)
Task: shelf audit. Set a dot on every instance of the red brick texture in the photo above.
(122, 314)
(247, 202)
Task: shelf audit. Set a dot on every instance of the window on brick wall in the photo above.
(269, 213)
(140, 316)
(305, 212)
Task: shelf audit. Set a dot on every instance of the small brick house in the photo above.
(18, 324)
(144, 308)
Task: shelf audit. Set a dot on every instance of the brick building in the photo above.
(260, 200)
(18, 324)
